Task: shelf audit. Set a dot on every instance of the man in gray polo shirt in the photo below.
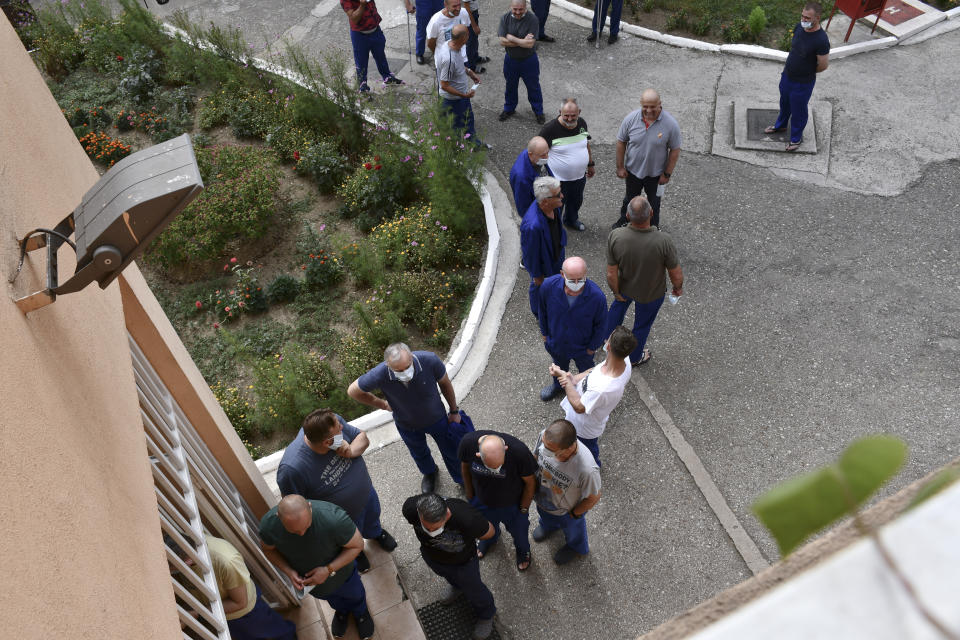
(648, 146)
(455, 79)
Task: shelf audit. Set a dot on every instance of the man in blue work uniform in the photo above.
(518, 35)
(572, 316)
(424, 10)
(542, 236)
(409, 380)
(529, 165)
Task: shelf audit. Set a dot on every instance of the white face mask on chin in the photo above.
(406, 375)
(432, 534)
(541, 162)
(805, 25)
(337, 441)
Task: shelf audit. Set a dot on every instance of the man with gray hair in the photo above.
(637, 256)
(570, 158)
(448, 530)
(409, 380)
(569, 487)
(542, 237)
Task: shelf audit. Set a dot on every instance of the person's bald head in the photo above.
(650, 104)
(574, 268)
(459, 33)
(295, 513)
(538, 149)
(493, 450)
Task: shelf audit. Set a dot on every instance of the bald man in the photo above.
(529, 165)
(315, 544)
(648, 147)
(499, 480)
(455, 80)
(572, 316)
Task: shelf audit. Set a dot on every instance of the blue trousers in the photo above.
(592, 444)
(794, 97)
(466, 577)
(541, 9)
(416, 441)
(363, 46)
(351, 597)
(572, 191)
(562, 359)
(574, 529)
(534, 293)
(425, 11)
(262, 622)
(528, 70)
(643, 316)
(473, 44)
(462, 116)
(516, 523)
(614, 15)
(368, 522)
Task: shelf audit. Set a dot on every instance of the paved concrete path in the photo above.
(816, 310)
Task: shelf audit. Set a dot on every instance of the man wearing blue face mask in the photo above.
(409, 380)
(324, 462)
(448, 530)
(499, 480)
(572, 316)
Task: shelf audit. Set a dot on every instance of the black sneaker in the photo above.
(420, 60)
(483, 59)
(546, 38)
(338, 628)
(592, 37)
(365, 626)
(393, 80)
(540, 118)
(386, 541)
(613, 38)
(504, 115)
(363, 563)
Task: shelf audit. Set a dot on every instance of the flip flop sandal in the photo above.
(773, 129)
(645, 359)
(793, 146)
(524, 557)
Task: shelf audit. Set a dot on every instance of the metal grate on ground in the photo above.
(450, 622)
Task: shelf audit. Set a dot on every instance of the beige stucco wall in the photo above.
(81, 551)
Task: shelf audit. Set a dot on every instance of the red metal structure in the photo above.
(856, 9)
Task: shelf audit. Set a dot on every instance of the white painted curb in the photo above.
(850, 49)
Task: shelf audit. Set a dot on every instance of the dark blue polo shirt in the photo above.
(415, 404)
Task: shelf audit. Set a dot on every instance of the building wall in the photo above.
(80, 542)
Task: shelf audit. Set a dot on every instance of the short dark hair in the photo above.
(815, 7)
(561, 433)
(622, 342)
(318, 425)
(431, 508)
(174, 547)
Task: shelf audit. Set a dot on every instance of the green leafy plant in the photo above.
(284, 288)
(324, 163)
(736, 31)
(702, 26)
(323, 271)
(757, 22)
(677, 21)
(786, 40)
(288, 385)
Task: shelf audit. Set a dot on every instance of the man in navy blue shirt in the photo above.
(324, 462)
(409, 380)
(809, 55)
(529, 165)
(573, 316)
(542, 236)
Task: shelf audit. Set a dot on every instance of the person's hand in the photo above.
(473, 76)
(621, 172)
(563, 378)
(663, 179)
(678, 291)
(544, 338)
(411, 8)
(556, 371)
(476, 28)
(619, 298)
(470, 94)
(538, 281)
(295, 578)
(530, 36)
(344, 451)
(453, 417)
(383, 404)
(590, 172)
(590, 352)
(317, 575)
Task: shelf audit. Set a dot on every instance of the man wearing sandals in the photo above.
(499, 479)
(569, 487)
(448, 530)
(637, 256)
(809, 55)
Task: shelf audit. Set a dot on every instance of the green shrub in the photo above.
(677, 21)
(374, 191)
(240, 298)
(786, 39)
(377, 327)
(324, 163)
(289, 385)
(424, 299)
(236, 405)
(283, 288)
(138, 80)
(757, 22)
(364, 263)
(416, 240)
(736, 31)
(59, 50)
(702, 26)
(323, 271)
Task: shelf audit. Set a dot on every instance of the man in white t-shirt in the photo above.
(592, 395)
(440, 27)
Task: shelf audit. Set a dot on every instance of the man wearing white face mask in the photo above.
(499, 480)
(448, 530)
(529, 165)
(572, 316)
(324, 462)
(409, 381)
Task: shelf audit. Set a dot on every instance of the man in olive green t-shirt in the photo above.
(315, 544)
(637, 256)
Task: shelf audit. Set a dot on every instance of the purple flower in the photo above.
(413, 244)
(322, 227)
(433, 147)
(271, 91)
(466, 135)
(430, 175)
(444, 227)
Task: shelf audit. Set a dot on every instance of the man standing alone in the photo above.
(367, 38)
(518, 35)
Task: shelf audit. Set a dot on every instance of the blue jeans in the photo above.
(541, 9)
(572, 191)
(466, 577)
(363, 46)
(574, 529)
(614, 15)
(262, 622)
(425, 11)
(643, 316)
(473, 45)
(794, 97)
(517, 525)
(528, 70)
(368, 522)
(416, 441)
(351, 597)
(462, 116)
(593, 445)
(562, 359)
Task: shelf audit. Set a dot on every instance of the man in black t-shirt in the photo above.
(448, 530)
(499, 478)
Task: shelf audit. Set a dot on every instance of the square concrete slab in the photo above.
(751, 118)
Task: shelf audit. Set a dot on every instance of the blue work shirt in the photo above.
(344, 482)
(572, 328)
(536, 245)
(415, 404)
(522, 175)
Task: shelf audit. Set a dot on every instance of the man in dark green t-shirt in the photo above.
(316, 544)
